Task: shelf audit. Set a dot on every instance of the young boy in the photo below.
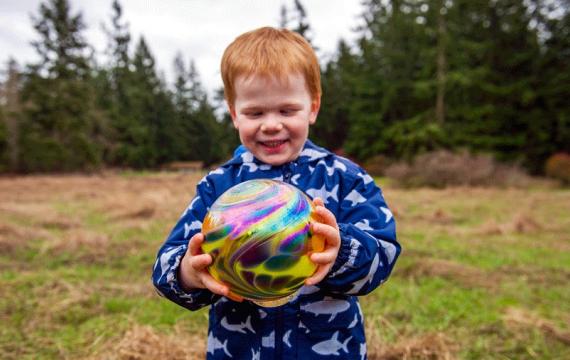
(272, 87)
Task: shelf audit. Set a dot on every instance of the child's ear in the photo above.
(233, 115)
(315, 106)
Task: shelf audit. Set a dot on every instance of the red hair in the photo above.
(270, 52)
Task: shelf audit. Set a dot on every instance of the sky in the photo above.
(199, 29)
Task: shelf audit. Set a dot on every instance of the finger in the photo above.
(318, 201)
(214, 286)
(326, 216)
(325, 257)
(318, 276)
(195, 244)
(328, 232)
(233, 296)
(200, 262)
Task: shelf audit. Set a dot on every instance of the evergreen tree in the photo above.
(553, 83)
(60, 121)
(205, 138)
(10, 118)
(296, 19)
(140, 132)
(338, 84)
(393, 109)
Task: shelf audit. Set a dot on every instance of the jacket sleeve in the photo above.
(166, 267)
(369, 248)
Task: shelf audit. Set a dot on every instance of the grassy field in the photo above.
(484, 274)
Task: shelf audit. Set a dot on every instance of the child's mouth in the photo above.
(274, 145)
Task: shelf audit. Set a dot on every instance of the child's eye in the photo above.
(254, 114)
(288, 112)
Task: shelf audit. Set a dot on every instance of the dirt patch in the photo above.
(517, 319)
(465, 275)
(145, 343)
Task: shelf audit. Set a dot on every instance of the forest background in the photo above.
(486, 76)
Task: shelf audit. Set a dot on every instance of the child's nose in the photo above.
(271, 124)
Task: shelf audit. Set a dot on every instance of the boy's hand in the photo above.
(194, 273)
(328, 229)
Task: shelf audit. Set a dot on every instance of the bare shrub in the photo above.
(444, 168)
(558, 167)
(377, 165)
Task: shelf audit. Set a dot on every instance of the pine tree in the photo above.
(60, 117)
(137, 132)
(393, 108)
(205, 138)
(11, 118)
(338, 83)
(296, 19)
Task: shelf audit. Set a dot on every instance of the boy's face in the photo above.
(273, 117)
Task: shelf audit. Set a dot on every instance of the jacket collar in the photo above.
(310, 153)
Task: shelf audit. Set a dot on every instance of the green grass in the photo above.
(455, 278)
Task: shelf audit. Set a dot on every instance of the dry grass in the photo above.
(431, 346)
(520, 320)
(145, 343)
(77, 252)
(464, 275)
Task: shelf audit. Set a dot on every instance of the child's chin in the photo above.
(274, 160)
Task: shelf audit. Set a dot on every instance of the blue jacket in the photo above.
(323, 321)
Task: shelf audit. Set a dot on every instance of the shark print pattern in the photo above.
(323, 321)
(195, 225)
(239, 327)
(215, 344)
(331, 346)
(327, 306)
(355, 198)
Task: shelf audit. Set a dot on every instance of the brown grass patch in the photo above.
(94, 243)
(462, 274)
(59, 222)
(434, 346)
(13, 238)
(520, 223)
(439, 216)
(519, 319)
(536, 275)
(28, 210)
(144, 343)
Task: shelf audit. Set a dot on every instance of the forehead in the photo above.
(256, 85)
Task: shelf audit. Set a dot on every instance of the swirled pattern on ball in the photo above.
(258, 233)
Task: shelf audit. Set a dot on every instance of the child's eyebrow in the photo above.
(290, 104)
(252, 108)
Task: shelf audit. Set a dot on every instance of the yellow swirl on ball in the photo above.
(258, 233)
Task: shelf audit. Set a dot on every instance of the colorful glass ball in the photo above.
(258, 234)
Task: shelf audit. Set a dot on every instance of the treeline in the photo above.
(488, 76)
(482, 75)
(68, 112)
